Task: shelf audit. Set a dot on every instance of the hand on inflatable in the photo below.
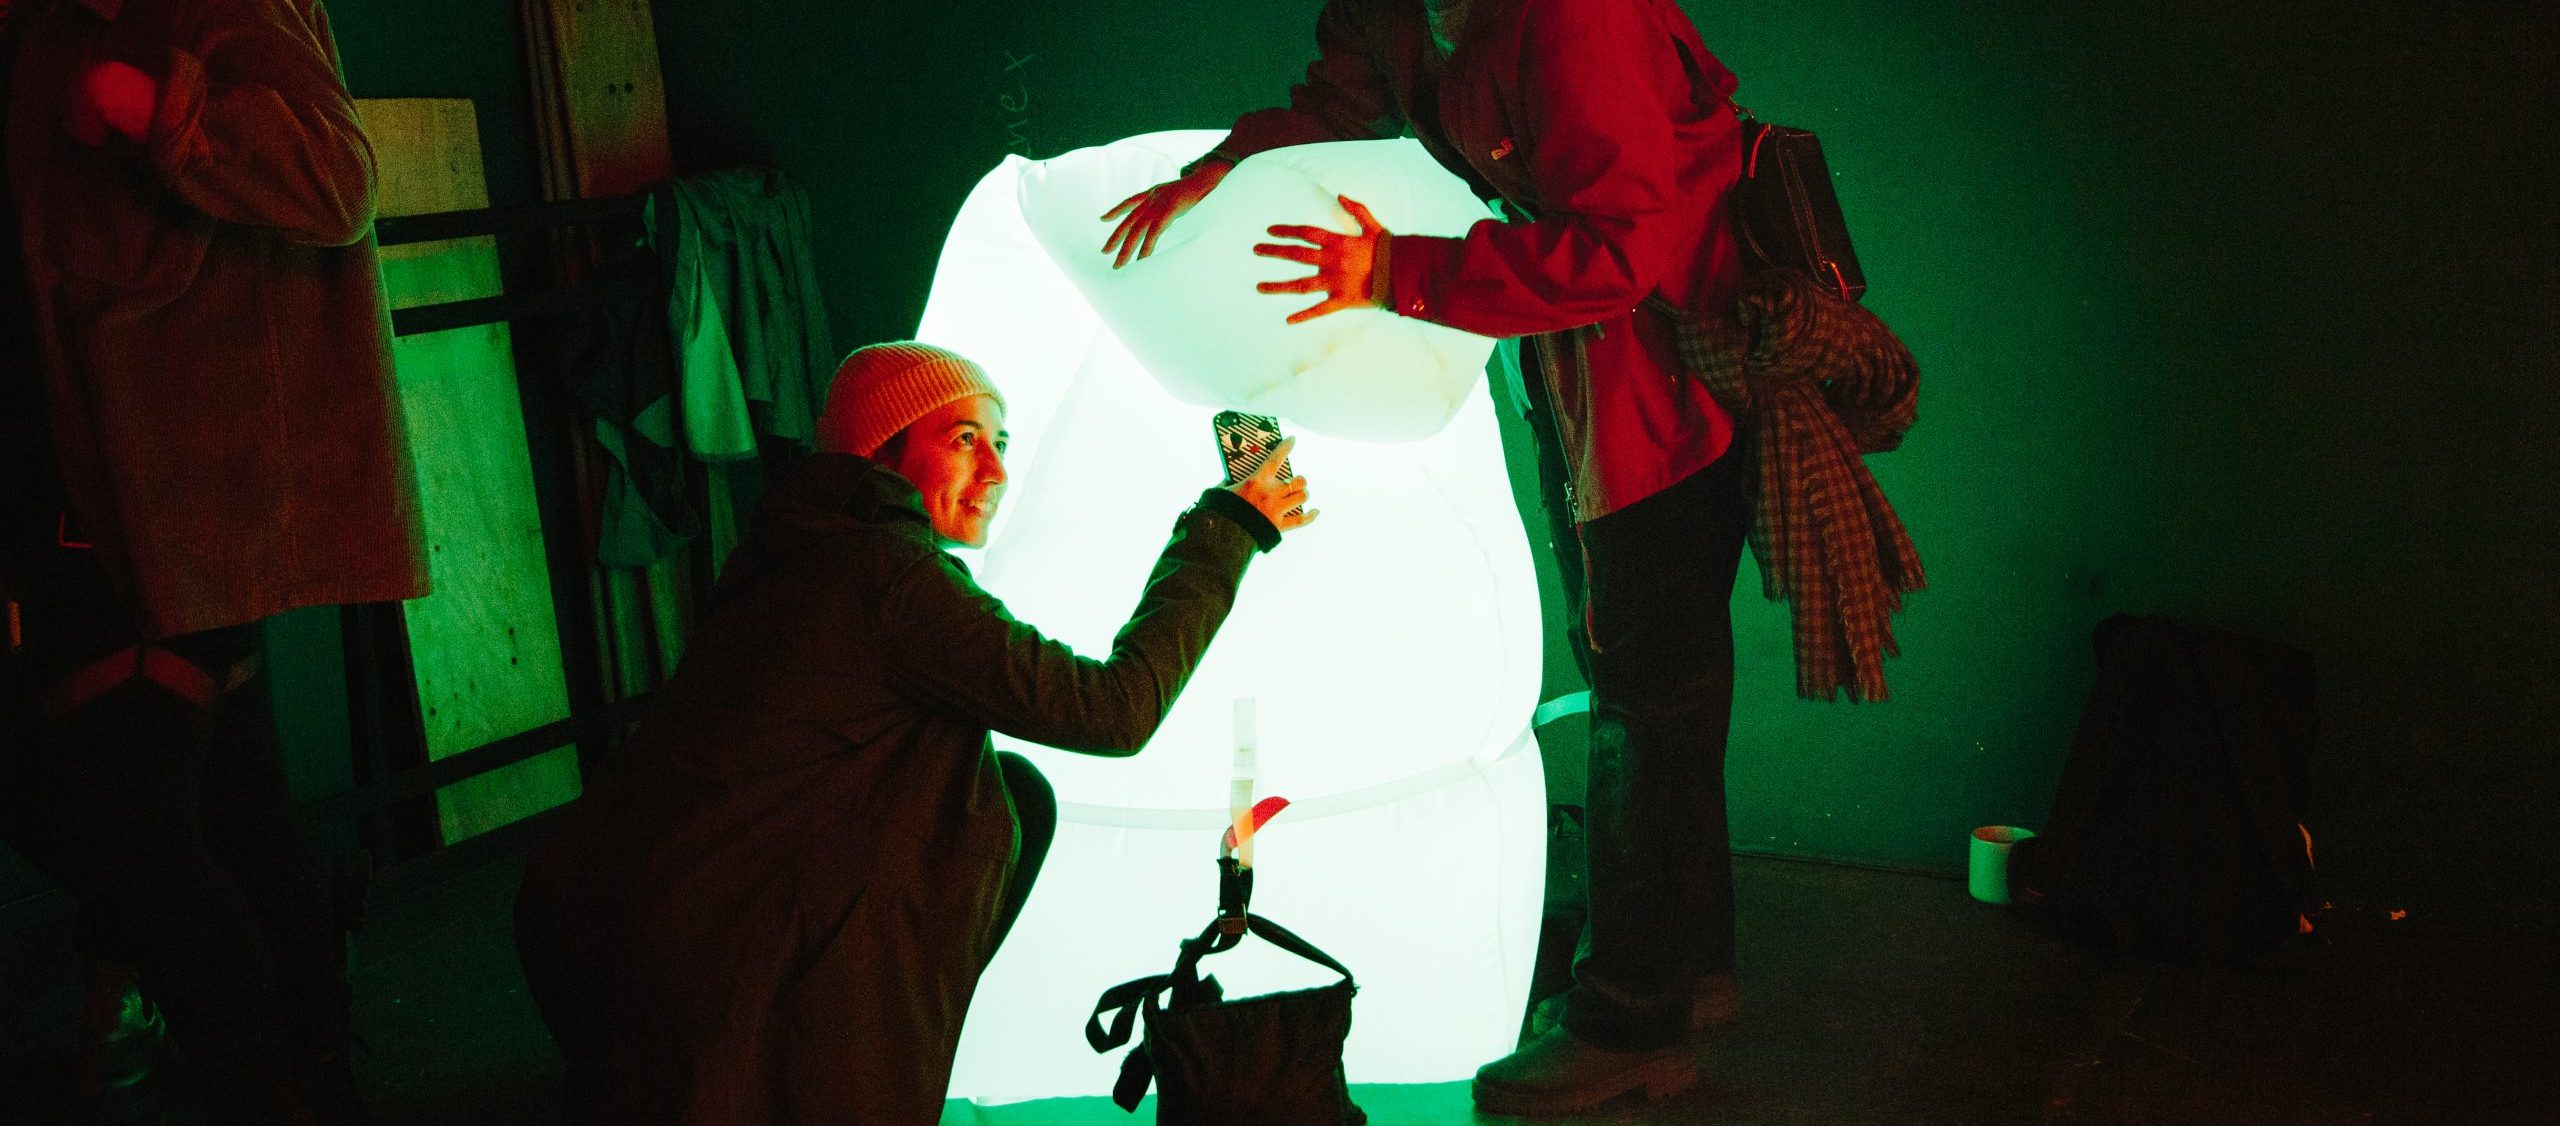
(1151, 211)
(1275, 498)
(1343, 263)
(112, 95)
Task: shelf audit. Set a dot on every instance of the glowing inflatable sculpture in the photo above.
(1392, 648)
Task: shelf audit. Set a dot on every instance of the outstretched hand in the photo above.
(1148, 213)
(1344, 264)
(1281, 502)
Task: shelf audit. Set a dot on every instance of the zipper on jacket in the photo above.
(1590, 633)
(1572, 506)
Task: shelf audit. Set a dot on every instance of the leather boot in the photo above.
(1714, 1001)
(1559, 1074)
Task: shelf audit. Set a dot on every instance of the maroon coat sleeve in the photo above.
(960, 652)
(1346, 96)
(255, 127)
(1596, 128)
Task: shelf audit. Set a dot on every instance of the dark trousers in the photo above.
(170, 825)
(1657, 579)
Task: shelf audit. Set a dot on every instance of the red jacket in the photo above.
(216, 345)
(1588, 116)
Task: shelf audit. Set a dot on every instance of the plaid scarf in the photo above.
(1816, 383)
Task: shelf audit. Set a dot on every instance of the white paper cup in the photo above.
(1987, 876)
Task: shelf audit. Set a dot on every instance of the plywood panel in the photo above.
(599, 107)
(486, 644)
(597, 79)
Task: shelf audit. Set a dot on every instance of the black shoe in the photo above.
(1558, 1074)
(1714, 1001)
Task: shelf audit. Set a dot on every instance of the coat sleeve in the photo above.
(1597, 129)
(255, 127)
(955, 648)
(1346, 95)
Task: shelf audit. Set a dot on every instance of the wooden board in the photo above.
(486, 645)
(600, 129)
(600, 94)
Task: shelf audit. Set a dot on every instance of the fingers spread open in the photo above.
(1316, 235)
(1130, 230)
(1128, 203)
(1119, 239)
(1369, 224)
(1333, 304)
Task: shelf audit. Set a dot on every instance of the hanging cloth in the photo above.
(743, 304)
(1817, 383)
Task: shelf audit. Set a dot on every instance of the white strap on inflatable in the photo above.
(1129, 817)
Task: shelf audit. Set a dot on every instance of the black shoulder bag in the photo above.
(1273, 1060)
(1785, 211)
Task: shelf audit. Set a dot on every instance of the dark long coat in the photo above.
(777, 908)
(215, 345)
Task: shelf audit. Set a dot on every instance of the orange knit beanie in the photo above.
(882, 389)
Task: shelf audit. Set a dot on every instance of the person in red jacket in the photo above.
(1605, 129)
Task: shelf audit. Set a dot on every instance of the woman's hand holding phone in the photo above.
(1282, 501)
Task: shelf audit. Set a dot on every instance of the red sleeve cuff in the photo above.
(1382, 274)
(1402, 281)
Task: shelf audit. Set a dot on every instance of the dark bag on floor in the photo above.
(1273, 1060)
(2177, 830)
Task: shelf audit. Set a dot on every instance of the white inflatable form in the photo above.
(1190, 314)
(1393, 648)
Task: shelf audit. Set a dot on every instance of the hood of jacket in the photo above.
(832, 493)
(829, 496)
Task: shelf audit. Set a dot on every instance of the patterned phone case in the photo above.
(1244, 440)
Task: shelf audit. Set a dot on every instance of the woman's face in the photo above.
(955, 458)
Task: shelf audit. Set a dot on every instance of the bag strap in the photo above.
(1122, 1002)
(1125, 1000)
(1280, 936)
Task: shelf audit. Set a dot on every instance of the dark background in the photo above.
(2240, 314)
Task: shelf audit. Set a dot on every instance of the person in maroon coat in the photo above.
(198, 429)
(774, 905)
(1605, 129)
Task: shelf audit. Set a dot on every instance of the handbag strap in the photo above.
(1122, 1002)
(1282, 937)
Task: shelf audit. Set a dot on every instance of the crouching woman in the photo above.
(775, 904)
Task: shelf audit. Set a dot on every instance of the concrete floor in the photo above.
(1869, 997)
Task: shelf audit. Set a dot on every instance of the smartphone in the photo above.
(1244, 441)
